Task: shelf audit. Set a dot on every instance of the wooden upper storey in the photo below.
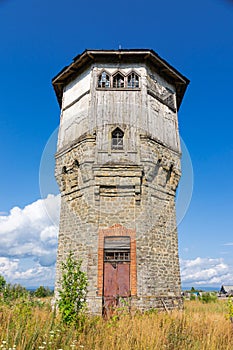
(133, 56)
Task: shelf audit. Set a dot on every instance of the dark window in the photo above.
(133, 81)
(104, 81)
(117, 139)
(118, 81)
(116, 256)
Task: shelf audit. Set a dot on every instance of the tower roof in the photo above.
(147, 56)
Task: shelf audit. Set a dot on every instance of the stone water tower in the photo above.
(118, 167)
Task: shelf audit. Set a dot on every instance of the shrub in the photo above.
(14, 291)
(192, 297)
(208, 298)
(2, 283)
(73, 291)
(42, 292)
(230, 309)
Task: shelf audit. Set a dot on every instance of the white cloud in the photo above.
(206, 271)
(30, 233)
(28, 245)
(35, 276)
(7, 265)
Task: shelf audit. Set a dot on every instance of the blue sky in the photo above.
(39, 38)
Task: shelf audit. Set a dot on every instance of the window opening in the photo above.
(117, 139)
(133, 81)
(118, 81)
(104, 80)
(64, 170)
(116, 256)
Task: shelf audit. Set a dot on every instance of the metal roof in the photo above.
(148, 56)
(227, 289)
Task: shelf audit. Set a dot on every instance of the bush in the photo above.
(14, 291)
(230, 309)
(2, 283)
(42, 292)
(73, 291)
(208, 298)
(10, 292)
(192, 297)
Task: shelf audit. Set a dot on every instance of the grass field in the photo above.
(33, 325)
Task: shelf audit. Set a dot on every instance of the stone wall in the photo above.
(134, 187)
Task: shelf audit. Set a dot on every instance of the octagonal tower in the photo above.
(118, 167)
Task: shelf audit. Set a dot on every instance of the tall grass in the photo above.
(30, 325)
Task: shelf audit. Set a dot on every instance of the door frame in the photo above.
(117, 230)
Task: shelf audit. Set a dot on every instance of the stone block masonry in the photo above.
(118, 167)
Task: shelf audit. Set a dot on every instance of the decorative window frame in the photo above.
(124, 130)
(117, 147)
(125, 77)
(98, 78)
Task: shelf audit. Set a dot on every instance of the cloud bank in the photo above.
(206, 272)
(28, 246)
(28, 242)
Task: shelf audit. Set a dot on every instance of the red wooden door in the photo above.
(116, 284)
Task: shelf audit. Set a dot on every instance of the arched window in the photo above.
(118, 81)
(117, 139)
(104, 80)
(133, 81)
(64, 170)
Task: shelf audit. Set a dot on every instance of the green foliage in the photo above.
(73, 291)
(192, 297)
(42, 292)
(26, 326)
(230, 309)
(14, 291)
(11, 292)
(177, 335)
(208, 298)
(2, 283)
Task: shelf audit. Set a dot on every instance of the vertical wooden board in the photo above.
(123, 279)
(110, 280)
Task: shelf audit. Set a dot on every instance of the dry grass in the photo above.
(198, 327)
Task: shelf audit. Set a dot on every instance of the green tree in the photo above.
(2, 283)
(42, 292)
(73, 291)
(14, 291)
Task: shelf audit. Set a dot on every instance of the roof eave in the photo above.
(89, 56)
